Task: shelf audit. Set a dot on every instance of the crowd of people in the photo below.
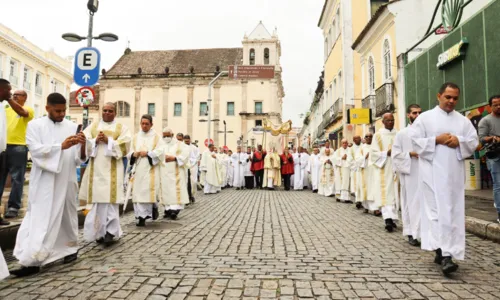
(418, 171)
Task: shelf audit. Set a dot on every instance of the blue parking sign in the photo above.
(87, 65)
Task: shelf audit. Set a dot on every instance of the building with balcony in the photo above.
(32, 69)
(341, 21)
(172, 86)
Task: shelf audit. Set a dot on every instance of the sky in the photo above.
(189, 24)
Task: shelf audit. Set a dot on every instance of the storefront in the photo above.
(467, 56)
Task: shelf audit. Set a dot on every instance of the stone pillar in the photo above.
(164, 106)
(216, 106)
(137, 108)
(190, 96)
(244, 108)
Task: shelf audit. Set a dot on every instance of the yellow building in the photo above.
(379, 72)
(341, 22)
(29, 68)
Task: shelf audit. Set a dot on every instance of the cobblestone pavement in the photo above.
(263, 244)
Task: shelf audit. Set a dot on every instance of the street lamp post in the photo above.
(209, 100)
(92, 5)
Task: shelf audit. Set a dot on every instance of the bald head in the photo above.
(388, 121)
(108, 112)
(357, 140)
(344, 143)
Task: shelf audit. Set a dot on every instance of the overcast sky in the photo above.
(189, 24)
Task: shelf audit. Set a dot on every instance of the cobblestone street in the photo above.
(262, 244)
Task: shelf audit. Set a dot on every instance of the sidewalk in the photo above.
(481, 215)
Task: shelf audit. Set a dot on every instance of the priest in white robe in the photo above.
(364, 186)
(230, 169)
(326, 177)
(343, 165)
(145, 157)
(272, 170)
(354, 167)
(210, 167)
(49, 230)
(326, 146)
(298, 174)
(443, 139)
(385, 180)
(314, 169)
(239, 161)
(224, 163)
(5, 95)
(102, 185)
(194, 160)
(304, 164)
(173, 174)
(405, 163)
(249, 176)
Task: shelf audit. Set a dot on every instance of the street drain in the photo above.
(156, 226)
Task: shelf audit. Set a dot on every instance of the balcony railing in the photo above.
(27, 85)
(13, 80)
(332, 114)
(38, 90)
(384, 101)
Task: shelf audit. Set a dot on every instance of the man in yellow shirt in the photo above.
(18, 116)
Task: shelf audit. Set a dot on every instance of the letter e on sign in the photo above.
(87, 59)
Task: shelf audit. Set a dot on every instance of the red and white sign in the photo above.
(85, 96)
(208, 143)
(251, 72)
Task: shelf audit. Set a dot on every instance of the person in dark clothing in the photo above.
(258, 165)
(286, 167)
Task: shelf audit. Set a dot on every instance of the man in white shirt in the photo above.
(194, 160)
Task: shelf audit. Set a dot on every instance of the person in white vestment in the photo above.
(102, 185)
(239, 161)
(230, 169)
(405, 163)
(249, 176)
(211, 169)
(272, 170)
(49, 230)
(292, 178)
(194, 160)
(304, 164)
(173, 174)
(443, 138)
(386, 183)
(145, 158)
(314, 168)
(364, 186)
(354, 167)
(298, 175)
(5, 95)
(326, 146)
(342, 162)
(326, 176)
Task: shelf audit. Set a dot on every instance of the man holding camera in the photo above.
(489, 134)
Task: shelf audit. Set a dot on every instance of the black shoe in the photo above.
(238, 189)
(166, 214)
(11, 214)
(141, 222)
(413, 242)
(315, 191)
(191, 200)
(173, 214)
(100, 240)
(25, 271)
(366, 211)
(439, 257)
(394, 225)
(108, 239)
(358, 205)
(156, 213)
(448, 266)
(3, 222)
(377, 213)
(389, 225)
(70, 258)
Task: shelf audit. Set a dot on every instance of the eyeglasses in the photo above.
(368, 136)
(19, 95)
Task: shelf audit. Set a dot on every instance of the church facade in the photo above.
(172, 86)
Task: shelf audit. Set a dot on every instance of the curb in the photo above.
(484, 229)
